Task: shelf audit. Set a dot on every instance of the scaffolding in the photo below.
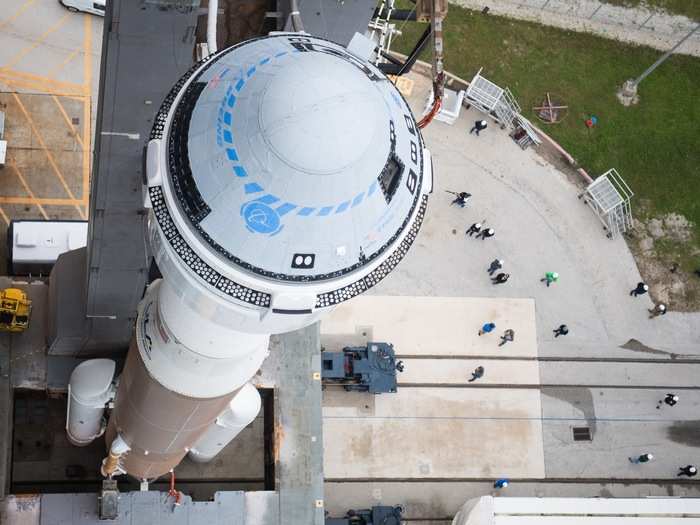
(382, 30)
(494, 100)
(609, 196)
(525, 134)
(501, 105)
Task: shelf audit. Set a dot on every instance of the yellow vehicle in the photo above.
(15, 309)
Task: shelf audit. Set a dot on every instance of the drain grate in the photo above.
(582, 434)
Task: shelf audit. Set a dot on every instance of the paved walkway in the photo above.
(430, 326)
(638, 25)
(607, 374)
(49, 81)
(540, 226)
(454, 432)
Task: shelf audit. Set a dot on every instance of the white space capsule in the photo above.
(285, 175)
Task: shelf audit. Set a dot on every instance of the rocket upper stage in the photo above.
(287, 163)
(285, 175)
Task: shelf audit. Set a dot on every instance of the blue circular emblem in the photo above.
(260, 218)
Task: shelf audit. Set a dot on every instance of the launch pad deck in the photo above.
(293, 462)
(450, 424)
(606, 375)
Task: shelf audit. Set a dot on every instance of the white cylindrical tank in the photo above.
(89, 390)
(241, 411)
(285, 175)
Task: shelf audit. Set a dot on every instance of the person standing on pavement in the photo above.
(550, 277)
(500, 483)
(562, 330)
(485, 234)
(670, 400)
(508, 335)
(641, 289)
(474, 228)
(461, 199)
(479, 125)
(500, 278)
(644, 458)
(487, 328)
(478, 373)
(496, 264)
(688, 470)
(659, 309)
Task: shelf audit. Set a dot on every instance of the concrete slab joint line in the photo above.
(637, 25)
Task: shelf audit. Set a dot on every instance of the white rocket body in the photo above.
(285, 175)
(241, 411)
(89, 390)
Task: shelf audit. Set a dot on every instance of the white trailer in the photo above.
(34, 246)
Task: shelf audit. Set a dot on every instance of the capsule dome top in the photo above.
(293, 159)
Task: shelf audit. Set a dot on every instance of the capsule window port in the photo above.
(303, 261)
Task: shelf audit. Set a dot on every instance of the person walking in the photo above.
(474, 228)
(549, 278)
(496, 264)
(487, 328)
(478, 373)
(500, 278)
(461, 199)
(485, 234)
(641, 289)
(644, 458)
(659, 309)
(479, 126)
(670, 400)
(500, 483)
(562, 330)
(688, 470)
(508, 335)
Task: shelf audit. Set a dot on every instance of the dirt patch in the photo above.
(660, 247)
(677, 227)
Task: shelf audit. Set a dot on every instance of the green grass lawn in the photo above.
(689, 8)
(655, 145)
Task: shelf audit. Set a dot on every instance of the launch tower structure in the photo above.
(285, 175)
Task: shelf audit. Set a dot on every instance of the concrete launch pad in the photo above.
(456, 431)
(424, 433)
(441, 439)
(428, 326)
(606, 377)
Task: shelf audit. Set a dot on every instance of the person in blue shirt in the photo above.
(487, 328)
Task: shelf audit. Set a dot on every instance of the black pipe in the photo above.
(395, 67)
(398, 14)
